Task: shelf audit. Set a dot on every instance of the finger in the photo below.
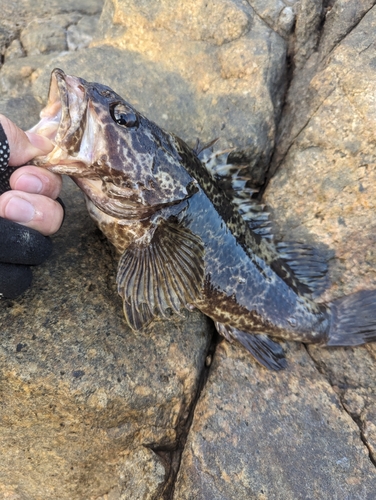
(23, 145)
(36, 180)
(32, 210)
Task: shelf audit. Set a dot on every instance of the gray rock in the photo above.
(14, 50)
(92, 410)
(43, 36)
(23, 111)
(308, 18)
(280, 15)
(16, 15)
(17, 75)
(81, 34)
(257, 434)
(87, 400)
(340, 19)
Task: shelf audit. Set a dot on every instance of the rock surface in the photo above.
(85, 400)
(257, 434)
(92, 411)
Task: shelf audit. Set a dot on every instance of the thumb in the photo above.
(23, 145)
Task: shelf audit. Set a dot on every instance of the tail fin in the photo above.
(353, 319)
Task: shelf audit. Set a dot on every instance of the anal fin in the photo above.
(267, 352)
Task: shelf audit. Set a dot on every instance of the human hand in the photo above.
(29, 211)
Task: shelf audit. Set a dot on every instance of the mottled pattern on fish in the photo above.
(187, 230)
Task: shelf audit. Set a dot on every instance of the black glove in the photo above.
(20, 246)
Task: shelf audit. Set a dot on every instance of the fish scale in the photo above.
(188, 232)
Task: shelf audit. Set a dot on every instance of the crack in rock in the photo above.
(322, 369)
(171, 456)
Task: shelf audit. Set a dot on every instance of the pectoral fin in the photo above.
(166, 273)
(267, 352)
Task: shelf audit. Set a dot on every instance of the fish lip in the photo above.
(61, 121)
(56, 111)
(71, 94)
(59, 92)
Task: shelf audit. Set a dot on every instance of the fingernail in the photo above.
(29, 183)
(40, 142)
(19, 210)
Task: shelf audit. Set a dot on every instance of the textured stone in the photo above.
(14, 50)
(81, 34)
(17, 75)
(279, 15)
(60, 33)
(327, 165)
(225, 62)
(22, 110)
(16, 15)
(308, 18)
(323, 191)
(257, 434)
(340, 19)
(214, 22)
(44, 36)
(92, 410)
(80, 391)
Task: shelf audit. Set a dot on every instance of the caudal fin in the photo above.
(353, 319)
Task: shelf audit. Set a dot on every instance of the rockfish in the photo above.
(187, 231)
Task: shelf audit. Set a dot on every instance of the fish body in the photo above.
(187, 232)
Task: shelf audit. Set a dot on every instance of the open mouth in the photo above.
(56, 112)
(63, 122)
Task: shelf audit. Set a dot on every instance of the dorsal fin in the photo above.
(235, 181)
(309, 266)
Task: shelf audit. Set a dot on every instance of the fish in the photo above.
(188, 230)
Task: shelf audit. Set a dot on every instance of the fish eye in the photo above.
(124, 117)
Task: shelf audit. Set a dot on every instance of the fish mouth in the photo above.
(63, 121)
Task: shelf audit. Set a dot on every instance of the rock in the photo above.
(43, 36)
(92, 410)
(22, 110)
(340, 19)
(62, 32)
(329, 176)
(223, 61)
(16, 15)
(18, 74)
(308, 18)
(81, 34)
(14, 50)
(83, 395)
(257, 434)
(280, 15)
(323, 191)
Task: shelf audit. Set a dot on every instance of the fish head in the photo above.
(125, 163)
